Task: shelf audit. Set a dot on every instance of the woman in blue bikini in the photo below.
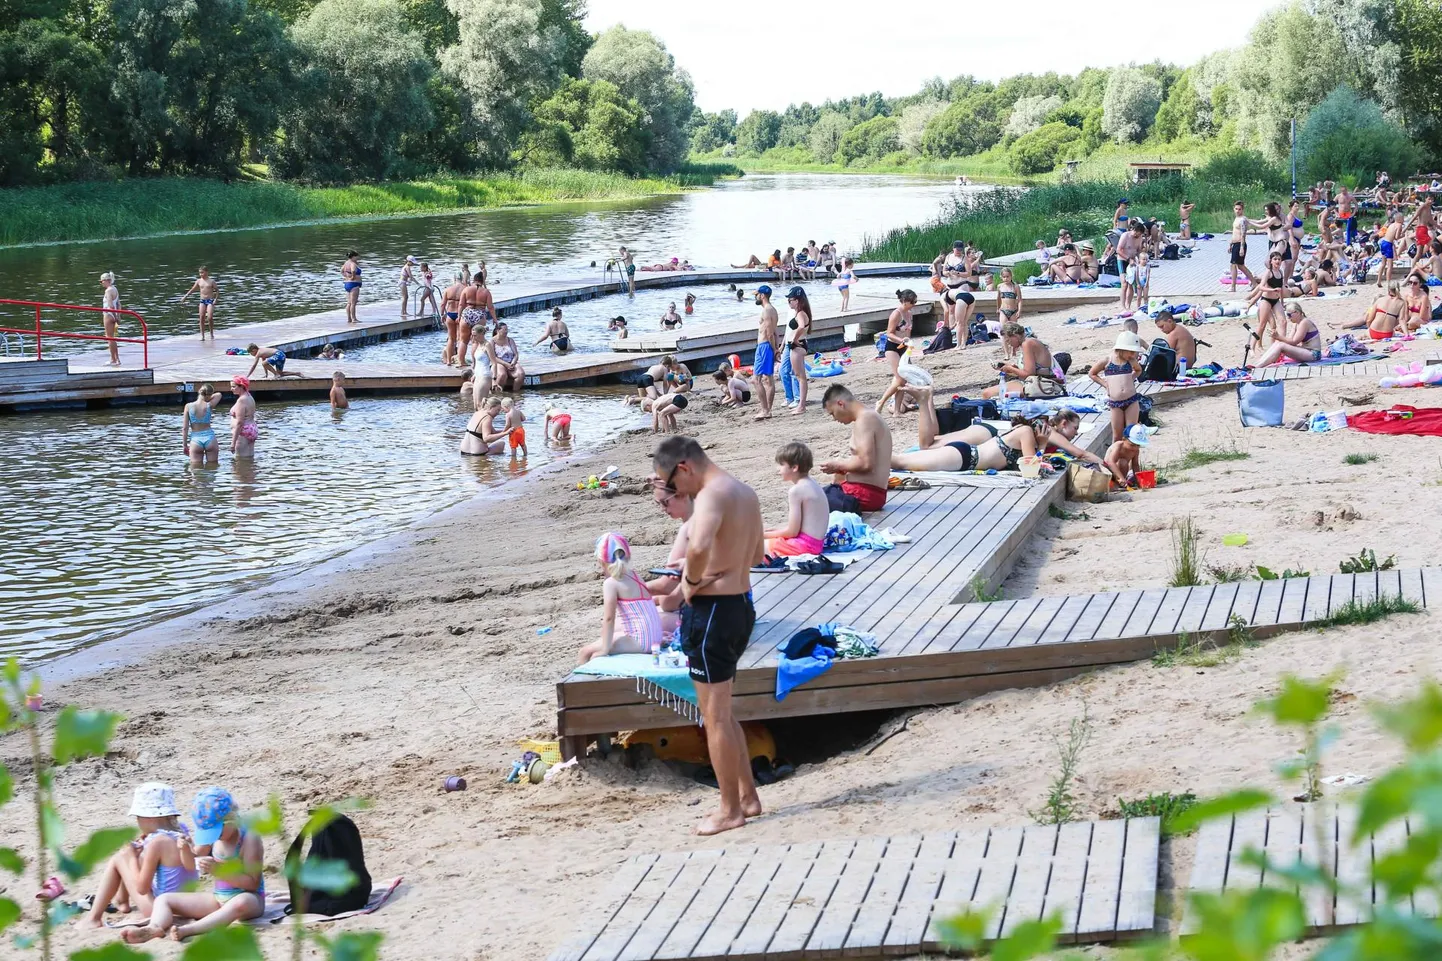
(196, 433)
(350, 271)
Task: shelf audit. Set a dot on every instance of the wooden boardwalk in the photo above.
(1310, 834)
(874, 897)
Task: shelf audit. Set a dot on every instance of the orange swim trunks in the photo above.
(518, 437)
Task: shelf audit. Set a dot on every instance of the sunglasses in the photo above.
(669, 486)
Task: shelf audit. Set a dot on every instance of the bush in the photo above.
(1243, 168)
(1039, 151)
(869, 141)
(1346, 136)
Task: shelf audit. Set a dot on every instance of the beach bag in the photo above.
(1042, 385)
(339, 840)
(1085, 484)
(1171, 252)
(1260, 403)
(959, 414)
(1161, 362)
(941, 341)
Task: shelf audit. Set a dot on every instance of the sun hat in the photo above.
(1088, 245)
(764, 289)
(795, 292)
(153, 800)
(1127, 340)
(211, 808)
(411, 259)
(1140, 434)
(610, 546)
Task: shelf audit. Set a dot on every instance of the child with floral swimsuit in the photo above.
(1120, 372)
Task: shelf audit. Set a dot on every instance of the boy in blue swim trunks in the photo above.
(763, 367)
(272, 359)
(209, 294)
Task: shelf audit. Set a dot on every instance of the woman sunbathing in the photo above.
(978, 447)
(1384, 316)
(1295, 337)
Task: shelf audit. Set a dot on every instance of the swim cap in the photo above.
(764, 289)
(610, 546)
(241, 382)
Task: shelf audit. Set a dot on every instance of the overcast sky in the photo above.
(753, 56)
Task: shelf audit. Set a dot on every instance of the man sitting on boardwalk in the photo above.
(724, 539)
(862, 477)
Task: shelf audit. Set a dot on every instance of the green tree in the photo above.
(567, 18)
(758, 132)
(642, 70)
(966, 127)
(186, 100)
(1348, 136)
(1286, 68)
(1040, 150)
(587, 123)
(1093, 136)
(1130, 104)
(361, 90)
(869, 141)
(504, 59)
(914, 118)
(52, 94)
(1177, 116)
(796, 124)
(712, 131)
(1087, 89)
(826, 136)
(1028, 113)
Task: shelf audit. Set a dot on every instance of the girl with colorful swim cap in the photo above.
(630, 622)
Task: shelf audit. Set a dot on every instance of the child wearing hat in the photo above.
(149, 866)
(630, 620)
(1120, 371)
(1124, 458)
(233, 856)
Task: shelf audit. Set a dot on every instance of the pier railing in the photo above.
(40, 332)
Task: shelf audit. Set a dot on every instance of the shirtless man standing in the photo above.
(1391, 239)
(1240, 226)
(209, 293)
(628, 267)
(724, 539)
(861, 479)
(763, 367)
(451, 314)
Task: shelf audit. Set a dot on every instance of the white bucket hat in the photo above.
(1127, 340)
(153, 800)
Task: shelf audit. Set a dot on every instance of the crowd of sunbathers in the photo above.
(807, 263)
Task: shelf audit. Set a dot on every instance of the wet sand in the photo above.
(417, 658)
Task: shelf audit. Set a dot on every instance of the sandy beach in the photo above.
(384, 672)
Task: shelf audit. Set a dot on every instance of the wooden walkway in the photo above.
(1310, 834)
(874, 897)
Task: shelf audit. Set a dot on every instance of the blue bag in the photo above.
(1260, 403)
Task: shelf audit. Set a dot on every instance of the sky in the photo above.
(755, 59)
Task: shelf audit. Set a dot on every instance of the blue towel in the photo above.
(793, 672)
(669, 686)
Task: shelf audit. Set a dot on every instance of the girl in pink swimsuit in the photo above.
(630, 621)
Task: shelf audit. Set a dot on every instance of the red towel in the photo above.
(1426, 421)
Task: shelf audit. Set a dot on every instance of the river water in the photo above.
(106, 527)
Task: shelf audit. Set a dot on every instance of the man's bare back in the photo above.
(870, 434)
(727, 519)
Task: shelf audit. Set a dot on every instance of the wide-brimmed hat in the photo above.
(1127, 340)
(1088, 245)
(153, 800)
(1140, 434)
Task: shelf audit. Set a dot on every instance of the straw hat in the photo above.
(1088, 245)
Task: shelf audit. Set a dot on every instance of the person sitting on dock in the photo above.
(209, 293)
(557, 332)
(481, 436)
(630, 622)
(196, 432)
(979, 447)
(773, 264)
(860, 478)
(670, 320)
(505, 357)
(338, 399)
(808, 512)
(752, 263)
(272, 359)
(1029, 358)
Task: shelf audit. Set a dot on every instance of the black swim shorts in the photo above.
(1239, 253)
(715, 629)
(680, 401)
(646, 380)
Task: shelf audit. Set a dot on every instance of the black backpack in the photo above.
(1161, 362)
(339, 840)
(1171, 252)
(941, 341)
(959, 414)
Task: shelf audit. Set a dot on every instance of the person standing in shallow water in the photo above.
(243, 430)
(209, 294)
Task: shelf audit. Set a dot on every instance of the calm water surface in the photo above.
(107, 527)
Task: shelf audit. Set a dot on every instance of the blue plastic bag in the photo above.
(1260, 403)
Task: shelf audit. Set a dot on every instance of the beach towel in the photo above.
(1328, 361)
(277, 901)
(947, 478)
(668, 686)
(809, 653)
(1424, 421)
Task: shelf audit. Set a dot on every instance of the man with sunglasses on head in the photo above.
(724, 540)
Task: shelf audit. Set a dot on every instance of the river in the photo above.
(107, 527)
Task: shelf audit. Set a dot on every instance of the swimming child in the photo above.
(149, 866)
(807, 511)
(844, 280)
(630, 622)
(690, 307)
(558, 424)
(735, 390)
(329, 352)
(196, 433)
(1120, 371)
(1124, 458)
(515, 417)
(272, 359)
(233, 855)
(338, 399)
(617, 326)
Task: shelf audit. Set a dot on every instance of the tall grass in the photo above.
(132, 208)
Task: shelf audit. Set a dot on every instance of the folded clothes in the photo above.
(848, 532)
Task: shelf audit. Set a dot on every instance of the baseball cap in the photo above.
(211, 808)
(153, 800)
(1140, 434)
(764, 289)
(795, 292)
(957, 245)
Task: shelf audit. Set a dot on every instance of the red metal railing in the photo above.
(40, 332)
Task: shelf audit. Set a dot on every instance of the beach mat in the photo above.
(277, 901)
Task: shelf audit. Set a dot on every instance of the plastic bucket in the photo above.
(1030, 467)
(1146, 479)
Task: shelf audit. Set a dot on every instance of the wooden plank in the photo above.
(834, 924)
(631, 915)
(1146, 611)
(1249, 832)
(1068, 875)
(1389, 583)
(958, 885)
(619, 888)
(1218, 614)
(1319, 849)
(1364, 590)
(1432, 585)
(1424, 899)
(1319, 599)
(982, 627)
(1294, 598)
(1411, 586)
(1341, 591)
(923, 888)
(708, 901)
(771, 908)
(868, 929)
(1209, 866)
(1195, 609)
(1037, 623)
(748, 890)
(1268, 602)
(679, 894)
(1116, 619)
(801, 915)
(1065, 619)
(1354, 870)
(1033, 873)
(1137, 902)
(1097, 920)
(1092, 616)
(1165, 621)
(1283, 848)
(1006, 629)
(993, 886)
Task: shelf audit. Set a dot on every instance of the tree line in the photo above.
(1359, 77)
(329, 91)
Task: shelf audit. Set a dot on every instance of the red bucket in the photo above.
(1147, 479)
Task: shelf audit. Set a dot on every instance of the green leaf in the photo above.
(1299, 703)
(24, 941)
(52, 827)
(7, 786)
(1030, 939)
(965, 931)
(1405, 870)
(1238, 802)
(233, 943)
(80, 734)
(1265, 573)
(1418, 721)
(9, 913)
(11, 671)
(332, 877)
(95, 849)
(1244, 925)
(326, 813)
(62, 911)
(114, 951)
(11, 861)
(1385, 800)
(353, 946)
(270, 821)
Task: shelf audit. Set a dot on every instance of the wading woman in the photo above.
(350, 272)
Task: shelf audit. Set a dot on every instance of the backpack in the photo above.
(1110, 266)
(959, 414)
(1171, 252)
(339, 840)
(941, 341)
(1161, 362)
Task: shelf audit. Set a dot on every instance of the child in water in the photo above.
(144, 869)
(1120, 372)
(808, 513)
(630, 621)
(514, 431)
(558, 424)
(338, 399)
(690, 303)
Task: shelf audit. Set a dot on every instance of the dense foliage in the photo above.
(331, 90)
(1389, 52)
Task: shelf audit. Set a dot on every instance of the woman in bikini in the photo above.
(196, 432)
(481, 436)
(428, 292)
(898, 340)
(1384, 316)
(1279, 236)
(1419, 302)
(1008, 298)
(1298, 228)
(1091, 269)
(1061, 430)
(1296, 337)
(1268, 294)
(1067, 269)
(350, 273)
(1025, 357)
(505, 357)
(1120, 218)
(978, 447)
(797, 348)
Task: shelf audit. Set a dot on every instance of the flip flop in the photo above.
(50, 890)
(771, 565)
(822, 565)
